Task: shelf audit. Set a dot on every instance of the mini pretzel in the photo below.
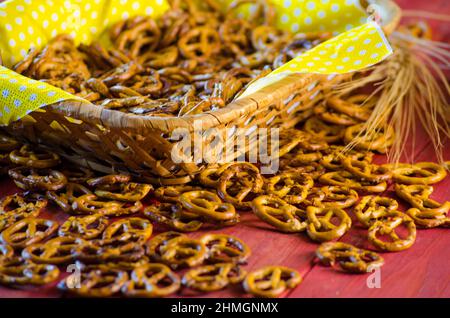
(152, 280)
(34, 159)
(28, 231)
(271, 281)
(380, 140)
(130, 192)
(38, 180)
(419, 173)
(108, 181)
(8, 143)
(19, 272)
(87, 227)
(164, 214)
(77, 175)
(348, 257)
(346, 179)
(386, 226)
(332, 159)
(330, 133)
(338, 197)
(97, 282)
(321, 227)
(418, 197)
(224, 248)
(110, 250)
(199, 43)
(6, 253)
(130, 229)
(332, 117)
(172, 193)
(210, 177)
(65, 199)
(60, 250)
(238, 182)
(348, 108)
(17, 205)
(208, 205)
(278, 213)
(366, 170)
(183, 252)
(371, 208)
(314, 169)
(91, 204)
(291, 187)
(215, 277)
(154, 246)
(314, 198)
(428, 218)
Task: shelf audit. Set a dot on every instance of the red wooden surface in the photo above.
(421, 271)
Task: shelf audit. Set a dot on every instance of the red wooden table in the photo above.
(421, 271)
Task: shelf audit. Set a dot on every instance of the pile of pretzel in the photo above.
(195, 58)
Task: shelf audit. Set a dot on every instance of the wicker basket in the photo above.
(113, 141)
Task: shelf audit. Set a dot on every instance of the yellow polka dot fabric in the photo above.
(25, 24)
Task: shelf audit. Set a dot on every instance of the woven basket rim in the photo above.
(116, 119)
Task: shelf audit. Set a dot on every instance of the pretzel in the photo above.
(60, 250)
(280, 214)
(130, 229)
(215, 277)
(183, 252)
(210, 177)
(77, 175)
(238, 182)
(380, 141)
(348, 257)
(38, 180)
(172, 193)
(208, 205)
(109, 181)
(8, 143)
(291, 187)
(301, 157)
(371, 208)
(428, 218)
(330, 116)
(348, 108)
(365, 170)
(65, 199)
(386, 226)
(99, 281)
(224, 248)
(420, 173)
(151, 280)
(418, 197)
(346, 179)
(319, 129)
(164, 214)
(19, 272)
(28, 231)
(271, 281)
(320, 226)
(87, 227)
(199, 43)
(91, 204)
(338, 197)
(153, 247)
(110, 250)
(33, 159)
(314, 198)
(18, 205)
(6, 253)
(332, 159)
(130, 192)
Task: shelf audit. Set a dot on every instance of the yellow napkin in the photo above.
(32, 23)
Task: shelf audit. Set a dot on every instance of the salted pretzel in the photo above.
(370, 208)
(301, 157)
(338, 197)
(91, 204)
(387, 226)
(208, 205)
(333, 117)
(172, 193)
(20, 272)
(418, 197)
(379, 140)
(319, 129)
(27, 157)
(290, 186)
(108, 181)
(314, 169)
(19, 206)
(77, 175)
(210, 177)
(87, 227)
(280, 214)
(151, 280)
(199, 43)
(96, 281)
(130, 229)
(65, 198)
(366, 170)
(38, 179)
(167, 214)
(183, 252)
(129, 192)
(238, 182)
(321, 227)
(8, 143)
(314, 198)
(333, 156)
(359, 112)
(428, 218)
(28, 231)
(224, 248)
(420, 173)
(59, 250)
(271, 281)
(348, 257)
(110, 250)
(153, 247)
(215, 277)
(349, 180)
